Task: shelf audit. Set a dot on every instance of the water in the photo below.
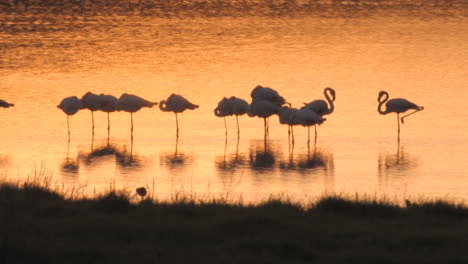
(46, 56)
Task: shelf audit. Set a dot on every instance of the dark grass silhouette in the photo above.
(39, 225)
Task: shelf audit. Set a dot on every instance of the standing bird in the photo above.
(231, 106)
(5, 104)
(108, 104)
(91, 102)
(287, 116)
(396, 105)
(265, 103)
(308, 118)
(320, 106)
(267, 93)
(132, 103)
(70, 105)
(177, 104)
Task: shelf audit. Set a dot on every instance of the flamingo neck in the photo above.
(381, 102)
(330, 101)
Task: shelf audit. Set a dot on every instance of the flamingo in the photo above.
(231, 106)
(263, 109)
(70, 106)
(5, 104)
(308, 118)
(132, 103)
(287, 115)
(265, 103)
(177, 104)
(320, 106)
(267, 93)
(91, 102)
(396, 105)
(108, 104)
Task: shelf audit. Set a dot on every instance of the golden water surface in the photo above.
(44, 58)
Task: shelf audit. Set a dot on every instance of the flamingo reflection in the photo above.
(69, 165)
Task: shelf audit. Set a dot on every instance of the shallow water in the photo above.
(46, 57)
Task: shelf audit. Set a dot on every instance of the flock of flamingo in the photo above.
(265, 103)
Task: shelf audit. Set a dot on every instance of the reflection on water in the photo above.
(230, 162)
(123, 157)
(263, 154)
(395, 164)
(316, 159)
(212, 49)
(176, 160)
(4, 160)
(69, 165)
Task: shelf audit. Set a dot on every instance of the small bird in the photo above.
(132, 103)
(177, 104)
(396, 105)
(141, 191)
(70, 106)
(5, 104)
(231, 106)
(320, 106)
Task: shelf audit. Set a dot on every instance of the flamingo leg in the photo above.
(92, 129)
(398, 121)
(308, 137)
(68, 126)
(177, 125)
(292, 136)
(403, 117)
(131, 127)
(315, 139)
(108, 128)
(225, 128)
(238, 129)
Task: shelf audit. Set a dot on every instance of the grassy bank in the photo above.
(42, 226)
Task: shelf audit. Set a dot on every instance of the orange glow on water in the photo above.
(205, 59)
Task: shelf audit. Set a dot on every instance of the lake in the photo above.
(153, 52)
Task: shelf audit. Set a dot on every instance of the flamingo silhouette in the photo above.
(265, 103)
(91, 102)
(308, 118)
(132, 103)
(263, 109)
(70, 106)
(396, 105)
(177, 104)
(287, 116)
(108, 104)
(231, 106)
(320, 106)
(5, 104)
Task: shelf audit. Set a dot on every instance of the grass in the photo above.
(40, 224)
